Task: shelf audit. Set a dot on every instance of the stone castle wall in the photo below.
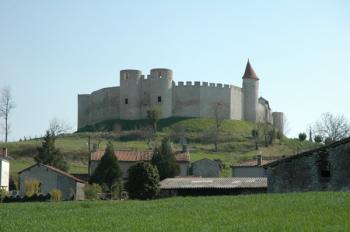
(138, 93)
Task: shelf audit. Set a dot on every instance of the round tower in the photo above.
(161, 94)
(278, 121)
(129, 99)
(250, 94)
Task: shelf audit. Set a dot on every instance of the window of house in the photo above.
(126, 101)
(325, 170)
(159, 99)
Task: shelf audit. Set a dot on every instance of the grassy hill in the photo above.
(237, 146)
(313, 211)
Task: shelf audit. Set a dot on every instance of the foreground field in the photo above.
(276, 212)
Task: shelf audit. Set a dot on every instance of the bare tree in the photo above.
(58, 127)
(333, 127)
(6, 105)
(215, 134)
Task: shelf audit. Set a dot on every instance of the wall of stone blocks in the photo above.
(104, 105)
(307, 172)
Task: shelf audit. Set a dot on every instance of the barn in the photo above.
(51, 178)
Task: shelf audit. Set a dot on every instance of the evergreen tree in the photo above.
(143, 181)
(108, 173)
(164, 159)
(49, 154)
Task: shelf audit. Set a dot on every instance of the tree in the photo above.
(108, 173)
(302, 137)
(310, 133)
(334, 127)
(49, 154)
(153, 116)
(164, 159)
(143, 181)
(255, 135)
(215, 133)
(6, 106)
(58, 127)
(318, 139)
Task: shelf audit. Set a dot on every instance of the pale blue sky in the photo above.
(52, 50)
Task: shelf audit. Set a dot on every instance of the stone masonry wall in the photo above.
(325, 169)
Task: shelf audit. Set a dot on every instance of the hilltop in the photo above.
(237, 146)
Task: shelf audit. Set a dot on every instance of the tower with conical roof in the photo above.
(250, 94)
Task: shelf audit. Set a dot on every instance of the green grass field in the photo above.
(313, 211)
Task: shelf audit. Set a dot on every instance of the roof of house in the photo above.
(134, 156)
(253, 163)
(214, 183)
(249, 72)
(309, 152)
(54, 170)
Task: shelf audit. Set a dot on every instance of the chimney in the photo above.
(184, 148)
(4, 152)
(258, 160)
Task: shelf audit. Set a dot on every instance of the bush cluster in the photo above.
(33, 198)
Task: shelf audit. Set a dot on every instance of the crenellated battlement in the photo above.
(204, 84)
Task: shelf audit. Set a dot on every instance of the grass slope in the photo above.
(239, 147)
(326, 211)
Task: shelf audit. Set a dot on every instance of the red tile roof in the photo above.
(249, 72)
(253, 163)
(134, 156)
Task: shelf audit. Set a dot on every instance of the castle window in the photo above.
(126, 101)
(126, 76)
(159, 74)
(159, 99)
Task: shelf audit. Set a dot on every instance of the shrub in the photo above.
(3, 194)
(318, 139)
(92, 191)
(302, 137)
(56, 195)
(279, 135)
(143, 181)
(328, 140)
(32, 187)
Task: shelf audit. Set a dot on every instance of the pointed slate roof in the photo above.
(249, 72)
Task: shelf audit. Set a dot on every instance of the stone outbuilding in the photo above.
(51, 178)
(194, 186)
(251, 168)
(323, 169)
(205, 168)
(128, 158)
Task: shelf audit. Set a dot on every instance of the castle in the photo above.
(137, 94)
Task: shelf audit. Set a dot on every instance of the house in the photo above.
(194, 186)
(251, 168)
(323, 169)
(4, 170)
(128, 158)
(205, 168)
(52, 178)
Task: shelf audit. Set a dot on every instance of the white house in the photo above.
(4, 170)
